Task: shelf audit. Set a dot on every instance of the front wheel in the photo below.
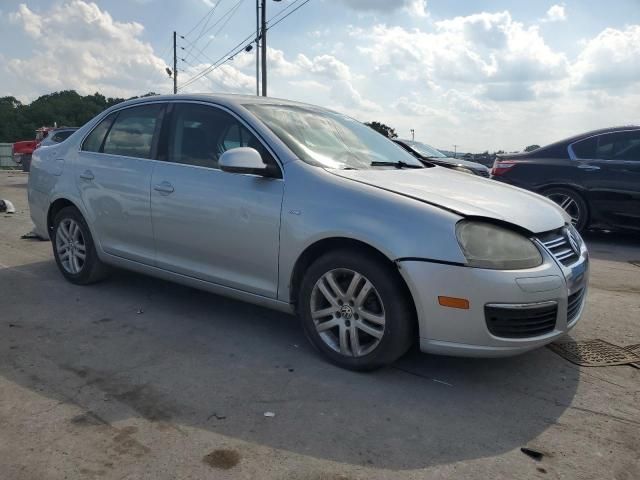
(355, 310)
(572, 203)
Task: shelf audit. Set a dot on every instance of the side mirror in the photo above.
(243, 160)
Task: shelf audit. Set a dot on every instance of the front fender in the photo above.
(318, 206)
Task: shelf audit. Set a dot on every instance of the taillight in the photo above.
(500, 167)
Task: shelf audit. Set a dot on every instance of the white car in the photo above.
(305, 210)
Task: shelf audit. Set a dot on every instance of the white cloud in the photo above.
(414, 7)
(82, 47)
(610, 60)
(489, 49)
(31, 22)
(556, 13)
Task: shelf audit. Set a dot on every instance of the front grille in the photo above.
(574, 302)
(521, 321)
(558, 245)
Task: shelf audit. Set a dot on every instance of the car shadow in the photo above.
(135, 346)
(616, 246)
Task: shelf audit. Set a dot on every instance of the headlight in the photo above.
(488, 246)
(463, 169)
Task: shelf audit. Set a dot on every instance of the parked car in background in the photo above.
(426, 153)
(594, 177)
(305, 210)
(23, 150)
(56, 136)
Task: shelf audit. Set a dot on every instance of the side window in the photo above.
(132, 132)
(586, 148)
(610, 146)
(201, 134)
(94, 141)
(622, 146)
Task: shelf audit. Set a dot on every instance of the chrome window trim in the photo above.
(177, 101)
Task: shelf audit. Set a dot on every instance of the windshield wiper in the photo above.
(399, 164)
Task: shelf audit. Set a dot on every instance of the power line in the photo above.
(223, 59)
(208, 14)
(291, 12)
(215, 35)
(284, 10)
(242, 45)
(225, 17)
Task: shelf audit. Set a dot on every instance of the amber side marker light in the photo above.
(454, 302)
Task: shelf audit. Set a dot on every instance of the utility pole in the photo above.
(413, 135)
(175, 64)
(263, 32)
(455, 151)
(258, 48)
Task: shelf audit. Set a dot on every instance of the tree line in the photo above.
(19, 121)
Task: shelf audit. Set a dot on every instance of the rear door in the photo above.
(215, 226)
(609, 166)
(114, 178)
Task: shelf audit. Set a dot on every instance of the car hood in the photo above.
(466, 195)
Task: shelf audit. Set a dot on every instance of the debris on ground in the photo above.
(530, 452)
(216, 416)
(269, 414)
(31, 236)
(222, 459)
(7, 206)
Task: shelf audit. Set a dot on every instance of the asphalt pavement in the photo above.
(139, 378)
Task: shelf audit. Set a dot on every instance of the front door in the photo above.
(208, 224)
(114, 176)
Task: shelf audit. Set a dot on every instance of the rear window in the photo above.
(132, 132)
(93, 142)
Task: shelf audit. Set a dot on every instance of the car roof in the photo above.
(599, 131)
(224, 99)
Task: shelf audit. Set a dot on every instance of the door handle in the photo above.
(164, 187)
(87, 175)
(589, 168)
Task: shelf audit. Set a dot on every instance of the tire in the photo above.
(572, 203)
(353, 336)
(70, 224)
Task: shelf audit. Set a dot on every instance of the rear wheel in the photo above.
(74, 250)
(572, 203)
(355, 310)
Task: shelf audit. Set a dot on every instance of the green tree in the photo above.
(385, 130)
(531, 148)
(19, 121)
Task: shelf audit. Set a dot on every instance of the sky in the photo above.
(479, 74)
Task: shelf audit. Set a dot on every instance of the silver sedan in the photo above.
(305, 210)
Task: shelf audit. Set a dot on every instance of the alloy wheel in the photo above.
(71, 246)
(568, 204)
(348, 312)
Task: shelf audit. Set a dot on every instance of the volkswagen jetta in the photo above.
(305, 210)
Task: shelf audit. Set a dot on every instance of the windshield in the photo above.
(331, 140)
(424, 149)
